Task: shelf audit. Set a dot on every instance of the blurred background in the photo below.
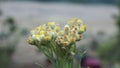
(101, 40)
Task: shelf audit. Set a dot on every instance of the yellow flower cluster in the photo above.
(71, 33)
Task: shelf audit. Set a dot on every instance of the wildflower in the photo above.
(82, 28)
(70, 22)
(30, 40)
(33, 32)
(59, 41)
(49, 23)
(66, 28)
(65, 37)
(65, 43)
(79, 21)
(57, 28)
(37, 28)
(72, 40)
(61, 32)
(42, 37)
(52, 24)
(53, 34)
(42, 32)
(37, 37)
(47, 38)
(42, 27)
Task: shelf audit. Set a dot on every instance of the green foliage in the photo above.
(4, 58)
(110, 50)
(107, 49)
(11, 23)
(7, 49)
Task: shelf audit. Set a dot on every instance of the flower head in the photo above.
(71, 33)
(47, 38)
(57, 43)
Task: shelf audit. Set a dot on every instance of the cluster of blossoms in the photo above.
(57, 43)
(71, 33)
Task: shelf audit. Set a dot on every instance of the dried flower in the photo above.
(61, 42)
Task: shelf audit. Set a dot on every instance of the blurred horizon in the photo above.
(68, 1)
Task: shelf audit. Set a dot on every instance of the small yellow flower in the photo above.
(61, 41)
(79, 21)
(57, 28)
(42, 37)
(37, 36)
(75, 19)
(73, 32)
(52, 24)
(33, 32)
(61, 33)
(65, 43)
(70, 22)
(72, 40)
(66, 28)
(49, 23)
(65, 37)
(42, 32)
(82, 28)
(30, 40)
(47, 38)
(43, 27)
(37, 28)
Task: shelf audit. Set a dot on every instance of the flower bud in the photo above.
(79, 21)
(33, 32)
(65, 43)
(72, 39)
(66, 28)
(47, 38)
(72, 53)
(52, 24)
(61, 33)
(30, 40)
